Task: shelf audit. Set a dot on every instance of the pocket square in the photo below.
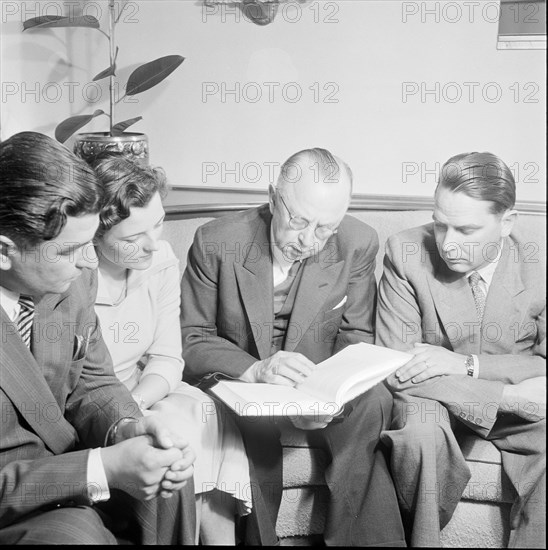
(77, 347)
(80, 346)
(341, 303)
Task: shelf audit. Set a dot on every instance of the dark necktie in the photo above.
(25, 318)
(477, 292)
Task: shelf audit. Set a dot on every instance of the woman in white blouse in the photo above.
(138, 303)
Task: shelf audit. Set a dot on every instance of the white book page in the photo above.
(367, 364)
(252, 399)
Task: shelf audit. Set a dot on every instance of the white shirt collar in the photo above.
(488, 271)
(280, 264)
(9, 301)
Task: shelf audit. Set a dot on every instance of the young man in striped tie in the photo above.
(78, 461)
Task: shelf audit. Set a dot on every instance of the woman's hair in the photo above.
(125, 184)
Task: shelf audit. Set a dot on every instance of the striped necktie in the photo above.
(25, 318)
(479, 295)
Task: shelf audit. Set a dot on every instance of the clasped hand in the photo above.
(149, 460)
(428, 361)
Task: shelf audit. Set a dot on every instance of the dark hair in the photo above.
(125, 183)
(326, 167)
(481, 176)
(41, 184)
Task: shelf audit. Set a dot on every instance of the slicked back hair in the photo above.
(41, 184)
(481, 176)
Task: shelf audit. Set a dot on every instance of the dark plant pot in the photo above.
(133, 145)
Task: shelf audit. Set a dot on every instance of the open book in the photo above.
(334, 382)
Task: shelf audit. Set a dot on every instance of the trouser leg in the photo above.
(261, 438)
(363, 508)
(523, 449)
(428, 467)
(70, 525)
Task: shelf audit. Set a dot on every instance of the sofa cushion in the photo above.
(481, 518)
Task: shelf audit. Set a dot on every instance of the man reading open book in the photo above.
(272, 291)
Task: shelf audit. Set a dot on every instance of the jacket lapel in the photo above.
(317, 281)
(255, 282)
(25, 385)
(53, 343)
(456, 309)
(506, 299)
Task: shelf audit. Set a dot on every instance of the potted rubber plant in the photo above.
(144, 77)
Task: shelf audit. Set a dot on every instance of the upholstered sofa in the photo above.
(481, 518)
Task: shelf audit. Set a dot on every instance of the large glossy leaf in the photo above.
(50, 21)
(119, 128)
(70, 125)
(148, 75)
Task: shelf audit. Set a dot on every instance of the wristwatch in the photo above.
(110, 437)
(469, 364)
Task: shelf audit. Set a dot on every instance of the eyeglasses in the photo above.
(297, 223)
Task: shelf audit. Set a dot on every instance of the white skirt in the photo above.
(221, 461)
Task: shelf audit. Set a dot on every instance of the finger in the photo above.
(179, 475)
(295, 360)
(179, 441)
(418, 349)
(420, 356)
(277, 376)
(428, 374)
(175, 487)
(392, 382)
(302, 369)
(166, 494)
(303, 360)
(291, 374)
(183, 463)
(150, 491)
(155, 428)
(164, 458)
(410, 372)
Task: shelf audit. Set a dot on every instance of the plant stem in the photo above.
(111, 42)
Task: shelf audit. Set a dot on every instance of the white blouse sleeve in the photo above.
(165, 353)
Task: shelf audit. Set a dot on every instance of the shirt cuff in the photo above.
(98, 490)
(249, 374)
(476, 366)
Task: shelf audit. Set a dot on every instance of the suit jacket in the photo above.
(56, 402)
(422, 300)
(227, 295)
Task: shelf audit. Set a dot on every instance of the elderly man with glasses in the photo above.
(267, 294)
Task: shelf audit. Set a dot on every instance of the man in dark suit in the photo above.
(467, 297)
(78, 462)
(271, 291)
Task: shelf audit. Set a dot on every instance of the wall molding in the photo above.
(196, 201)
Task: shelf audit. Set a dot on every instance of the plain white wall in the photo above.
(379, 85)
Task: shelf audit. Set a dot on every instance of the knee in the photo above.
(419, 431)
(78, 525)
(373, 407)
